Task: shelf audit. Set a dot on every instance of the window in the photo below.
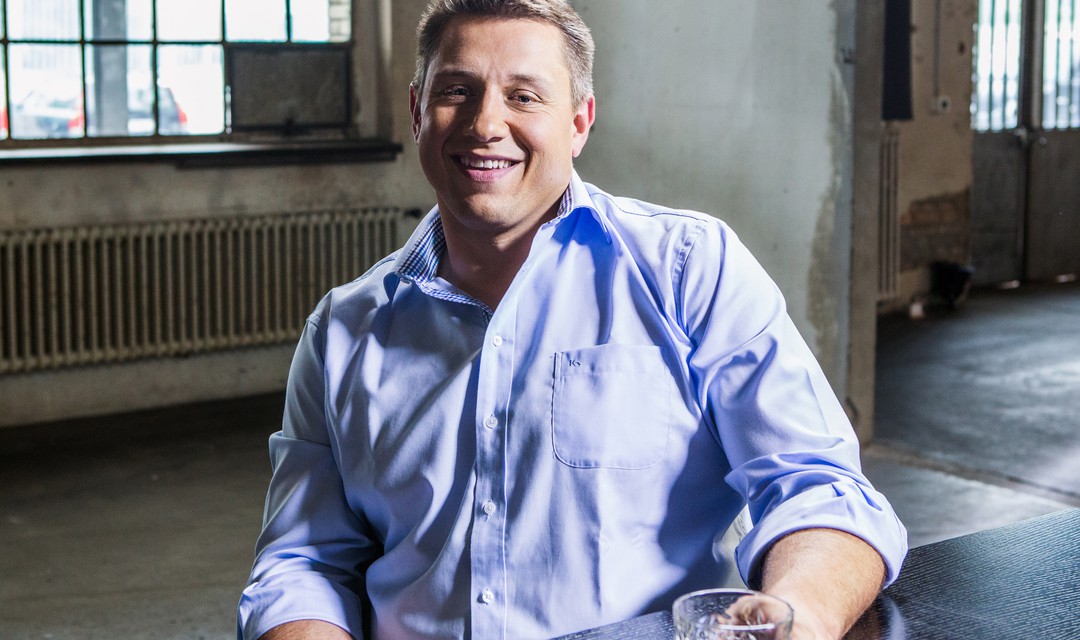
(1061, 66)
(998, 75)
(995, 100)
(143, 69)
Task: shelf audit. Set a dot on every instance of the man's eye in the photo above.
(524, 98)
(455, 91)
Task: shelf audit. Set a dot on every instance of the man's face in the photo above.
(495, 124)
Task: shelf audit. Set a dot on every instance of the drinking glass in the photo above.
(731, 614)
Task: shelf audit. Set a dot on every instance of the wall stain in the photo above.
(825, 300)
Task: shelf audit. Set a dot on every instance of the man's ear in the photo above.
(414, 107)
(583, 122)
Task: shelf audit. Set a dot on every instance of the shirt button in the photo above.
(487, 597)
(491, 422)
(497, 341)
(489, 507)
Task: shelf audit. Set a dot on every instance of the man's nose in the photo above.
(489, 119)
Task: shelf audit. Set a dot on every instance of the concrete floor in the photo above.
(977, 416)
(142, 526)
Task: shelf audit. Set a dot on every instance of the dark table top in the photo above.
(1016, 581)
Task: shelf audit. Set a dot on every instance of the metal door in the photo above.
(997, 203)
(1052, 229)
(1026, 112)
(1053, 214)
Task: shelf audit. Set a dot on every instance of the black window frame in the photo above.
(322, 142)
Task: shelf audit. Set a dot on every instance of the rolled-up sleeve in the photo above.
(793, 453)
(313, 547)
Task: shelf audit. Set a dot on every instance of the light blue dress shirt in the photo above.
(566, 460)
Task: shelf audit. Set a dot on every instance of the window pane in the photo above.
(46, 91)
(44, 19)
(189, 20)
(120, 87)
(191, 89)
(1061, 66)
(118, 19)
(255, 20)
(995, 100)
(320, 20)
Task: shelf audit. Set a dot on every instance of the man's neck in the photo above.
(482, 266)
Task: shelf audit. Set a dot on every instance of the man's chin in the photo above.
(487, 207)
(492, 212)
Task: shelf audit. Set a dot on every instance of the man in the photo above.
(541, 413)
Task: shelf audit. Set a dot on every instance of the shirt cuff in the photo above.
(290, 597)
(844, 506)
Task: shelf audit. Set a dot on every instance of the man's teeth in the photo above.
(486, 164)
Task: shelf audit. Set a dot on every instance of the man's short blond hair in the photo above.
(578, 42)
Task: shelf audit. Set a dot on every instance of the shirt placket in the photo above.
(488, 539)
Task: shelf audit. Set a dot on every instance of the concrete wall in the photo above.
(737, 109)
(936, 145)
(740, 110)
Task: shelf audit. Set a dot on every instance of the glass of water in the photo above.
(731, 614)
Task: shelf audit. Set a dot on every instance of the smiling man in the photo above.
(542, 412)
(497, 125)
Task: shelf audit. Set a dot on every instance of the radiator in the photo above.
(102, 294)
(889, 217)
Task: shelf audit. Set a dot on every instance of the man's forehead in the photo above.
(528, 52)
(464, 35)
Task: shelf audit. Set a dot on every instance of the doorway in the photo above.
(1026, 116)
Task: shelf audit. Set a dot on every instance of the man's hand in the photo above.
(306, 630)
(829, 577)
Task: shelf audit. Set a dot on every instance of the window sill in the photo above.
(212, 154)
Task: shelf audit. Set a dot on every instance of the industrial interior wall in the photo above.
(740, 110)
(68, 194)
(935, 147)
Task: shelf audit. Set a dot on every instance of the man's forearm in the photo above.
(829, 577)
(306, 630)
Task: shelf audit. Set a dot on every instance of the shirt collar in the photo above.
(419, 259)
(578, 197)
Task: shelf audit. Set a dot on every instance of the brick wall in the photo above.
(936, 229)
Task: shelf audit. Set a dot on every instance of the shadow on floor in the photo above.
(978, 411)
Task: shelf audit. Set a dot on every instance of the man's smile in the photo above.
(485, 163)
(482, 169)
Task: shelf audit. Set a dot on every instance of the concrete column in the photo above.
(862, 337)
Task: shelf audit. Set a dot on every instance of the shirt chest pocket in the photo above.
(611, 407)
